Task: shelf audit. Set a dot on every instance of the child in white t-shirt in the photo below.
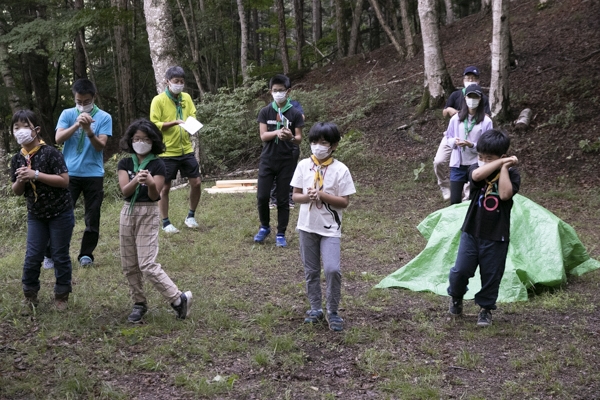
(322, 187)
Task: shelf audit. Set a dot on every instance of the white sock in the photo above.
(177, 302)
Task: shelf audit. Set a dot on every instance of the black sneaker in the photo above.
(484, 318)
(336, 323)
(456, 306)
(183, 309)
(139, 309)
(313, 316)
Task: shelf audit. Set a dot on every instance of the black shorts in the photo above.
(186, 164)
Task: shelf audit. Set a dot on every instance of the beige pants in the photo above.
(138, 234)
(441, 169)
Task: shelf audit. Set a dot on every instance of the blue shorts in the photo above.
(459, 174)
(186, 164)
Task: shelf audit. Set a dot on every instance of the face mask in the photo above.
(85, 109)
(175, 88)
(142, 148)
(279, 97)
(472, 103)
(469, 83)
(320, 151)
(481, 163)
(23, 136)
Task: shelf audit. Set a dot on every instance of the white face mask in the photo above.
(472, 103)
(84, 109)
(23, 136)
(320, 151)
(469, 83)
(279, 97)
(141, 148)
(175, 88)
(481, 163)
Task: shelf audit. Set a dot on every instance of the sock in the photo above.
(177, 302)
(191, 213)
(166, 222)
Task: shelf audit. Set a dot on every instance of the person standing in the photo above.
(167, 111)
(84, 130)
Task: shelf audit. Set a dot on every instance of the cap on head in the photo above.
(471, 70)
(474, 89)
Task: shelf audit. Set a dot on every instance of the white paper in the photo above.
(192, 125)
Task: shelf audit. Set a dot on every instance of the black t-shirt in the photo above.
(457, 97)
(155, 167)
(51, 201)
(489, 217)
(279, 149)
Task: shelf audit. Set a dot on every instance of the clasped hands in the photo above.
(144, 177)
(285, 134)
(24, 174)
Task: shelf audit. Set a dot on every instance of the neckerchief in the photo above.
(28, 155)
(490, 184)
(81, 132)
(178, 103)
(136, 168)
(280, 112)
(469, 126)
(319, 176)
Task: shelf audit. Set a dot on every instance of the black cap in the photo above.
(476, 89)
(471, 70)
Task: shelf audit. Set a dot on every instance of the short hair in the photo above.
(493, 142)
(280, 79)
(84, 86)
(326, 130)
(149, 129)
(174, 72)
(24, 116)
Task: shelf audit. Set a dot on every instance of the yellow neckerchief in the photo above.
(490, 184)
(28, 155)
(318, 182)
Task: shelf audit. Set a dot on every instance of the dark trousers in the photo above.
(490, 255)
(93, 194)
(39, 232)
(458, 177)
(280, 172)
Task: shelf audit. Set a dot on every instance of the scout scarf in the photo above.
(82, 133)
(28, 155)
(177, 100)
(490, 184)
(319, 175)
(136, 168)
(280, 112)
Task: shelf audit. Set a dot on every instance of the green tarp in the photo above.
(543, 250)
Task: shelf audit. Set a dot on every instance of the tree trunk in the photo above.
(499, 94)
(161, 38)
(80, 64)
(285, 60)
(299, 22)
(355, 30)
(438, 84)
(14, 101)
(450, 12)
(192, 38)
(391, 11)
(317, 30)
(125, 90)
(339, 28)
(255, 37)
(37, 69)
(486, 6)
(386, 28)
(244, 42)
(411, 48)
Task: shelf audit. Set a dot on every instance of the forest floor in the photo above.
(246, 339)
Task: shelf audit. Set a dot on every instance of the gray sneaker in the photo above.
(139, 309)
(183, 309)
(485, 318)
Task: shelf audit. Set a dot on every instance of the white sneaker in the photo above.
(190, 222)
(446, 194)
(48, 263)
(170, 229)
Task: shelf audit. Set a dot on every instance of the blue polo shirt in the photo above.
(89, 163)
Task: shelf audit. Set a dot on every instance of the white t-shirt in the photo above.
(322, 218)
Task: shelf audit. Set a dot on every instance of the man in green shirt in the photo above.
(168, 110)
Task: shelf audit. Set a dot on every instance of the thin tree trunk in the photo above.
(14, 101)
(386, 28)
(317, 29)
(339, 27)
(161, 39)
(244, 42)
(282, 36)
(449, 12)
(192, 38)
(355, 30)
(80, 64)
(438, 84)
(299, 22)
(499, 93)
(125, 90)
(486, 6)
(391, 11)
(255, 37)
(411, 48)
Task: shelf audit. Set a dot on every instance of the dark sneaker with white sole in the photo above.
(336, 323)
(183, 309)
(313, 317)
(456, 306)
(139, 309)
(484, 318)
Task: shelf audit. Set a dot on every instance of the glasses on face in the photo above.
(141, 140)
(85, 103)
(278, 90)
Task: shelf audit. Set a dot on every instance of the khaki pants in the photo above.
(138, 234)
(441, 169)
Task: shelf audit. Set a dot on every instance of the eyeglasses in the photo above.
(138, 140)
(278, 90)
(85, 103)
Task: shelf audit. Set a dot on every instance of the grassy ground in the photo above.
(246, 339)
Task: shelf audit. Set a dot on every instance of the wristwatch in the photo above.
(37, 173)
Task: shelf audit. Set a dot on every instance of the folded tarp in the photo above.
(543, 249)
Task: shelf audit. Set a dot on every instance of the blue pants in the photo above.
(490, 255)
(93, 194)
(57, 231)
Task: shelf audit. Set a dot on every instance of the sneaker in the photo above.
(61, 301)
(191, 223)
(170, 229)
(336, 323)
(48, 263)
(183, 309)
(313, 316)
(456, 306)
(262, 234)
(280, 241)
(272, 205)
(85, 261)
(446, 193)
(292, 205)
(139, 309)
(485, 318)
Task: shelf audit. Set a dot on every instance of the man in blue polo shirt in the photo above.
(84, 130)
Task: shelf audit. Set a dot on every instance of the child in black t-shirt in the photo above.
(485, 232)
(141, 178)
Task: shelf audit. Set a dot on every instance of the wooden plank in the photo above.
(236, 182)
(236, 189)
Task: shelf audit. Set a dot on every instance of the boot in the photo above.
(61, 301)
(30, 302)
